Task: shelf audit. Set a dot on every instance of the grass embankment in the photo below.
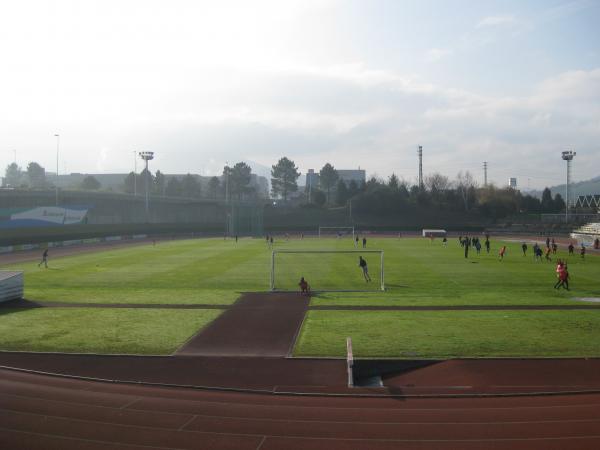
(99, 330)
(451, 334)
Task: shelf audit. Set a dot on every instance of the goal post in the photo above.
(327, 270)
(336, 231)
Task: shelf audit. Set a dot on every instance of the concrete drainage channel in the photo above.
(371, 372)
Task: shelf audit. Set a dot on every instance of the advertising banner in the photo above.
(42, 216)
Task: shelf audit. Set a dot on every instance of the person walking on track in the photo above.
(44, 259)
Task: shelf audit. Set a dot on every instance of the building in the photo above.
(359, 176)
(512, 183)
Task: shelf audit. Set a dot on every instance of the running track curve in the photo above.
(53, 413)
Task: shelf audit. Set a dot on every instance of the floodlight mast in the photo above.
(568, 157)
(147, 156)
(57, 136)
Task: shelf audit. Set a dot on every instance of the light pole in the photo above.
(568, 157)
(134, 171)
(147, 156)
(57, 136)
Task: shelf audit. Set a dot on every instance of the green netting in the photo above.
(245, 219)
(326, 271)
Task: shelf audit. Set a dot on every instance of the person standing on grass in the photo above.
(582, 251)
(487, 245)
(304, 287)
(356, 241)
(548, 250)
(538, 254)
(563, 277)
(445, 241)
(524, 248)
(363, 265)
(571, 248)
(560, 267)
(502, 252)
(44, 259)
(364, 242)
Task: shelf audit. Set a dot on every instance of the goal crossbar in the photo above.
(357, 252)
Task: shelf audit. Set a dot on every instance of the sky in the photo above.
(353, 83)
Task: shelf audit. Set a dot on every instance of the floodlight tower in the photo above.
(420, 153)
(568, 157)
(147, 156)
(485, 173)
(57, 136)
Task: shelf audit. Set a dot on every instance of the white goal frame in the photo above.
(357, 252)
(337, 228)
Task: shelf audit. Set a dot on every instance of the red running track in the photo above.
(47, 413)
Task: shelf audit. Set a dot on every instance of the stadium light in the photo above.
(568, 157)
(57, 136)
(147, 156)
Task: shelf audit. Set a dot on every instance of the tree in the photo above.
(146, 180)
(465, 185)
(130, 181)
(341, 193)
(160, 183)
(438, 185)
(90, 183)
(190, 187)
(174, 188)
(239, 179)
(13, 175)
(213, 187)
(319, 197)
(328, 176)
(559, 203)
(353, 188)
(547, 202)
(393, 182)
(284, 176)
(36, 175)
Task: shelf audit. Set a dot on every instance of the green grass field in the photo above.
(417, 273)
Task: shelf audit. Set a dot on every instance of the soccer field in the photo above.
(214, 272)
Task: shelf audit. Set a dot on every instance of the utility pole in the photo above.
(134, 173)
(147, 156)
(568, 157)
(57, 136)
(420, 153)
(485, 173)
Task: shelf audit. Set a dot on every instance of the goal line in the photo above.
(327, 270)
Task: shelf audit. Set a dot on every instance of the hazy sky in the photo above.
(355, 83)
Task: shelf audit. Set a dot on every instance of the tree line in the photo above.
(375, 195)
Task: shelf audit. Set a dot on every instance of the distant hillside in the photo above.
(586, 187)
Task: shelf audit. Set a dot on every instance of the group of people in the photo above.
(468, 242)
(562, 273)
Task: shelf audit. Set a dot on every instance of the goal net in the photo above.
(336, 231)
(327, 270)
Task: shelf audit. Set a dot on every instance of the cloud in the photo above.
(496, 21)
(353, 116)
(435, 54)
